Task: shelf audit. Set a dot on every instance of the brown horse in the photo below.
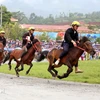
(71, 59)
(1, 52)
(26, 59)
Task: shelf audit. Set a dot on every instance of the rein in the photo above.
(80, 48)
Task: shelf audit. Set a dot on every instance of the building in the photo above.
(55, 28)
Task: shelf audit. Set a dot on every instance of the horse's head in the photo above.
(42, 55)
(87, 45)
(37, 45)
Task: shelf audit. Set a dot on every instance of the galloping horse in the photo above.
(71, 59)
(1, 52)
(26, 59)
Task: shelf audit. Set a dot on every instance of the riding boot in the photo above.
(78, 70)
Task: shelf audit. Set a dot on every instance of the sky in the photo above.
(55, 7)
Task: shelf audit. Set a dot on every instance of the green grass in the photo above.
(91, 72)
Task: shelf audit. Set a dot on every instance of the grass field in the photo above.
(91, 72)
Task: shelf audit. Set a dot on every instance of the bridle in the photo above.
(35, 47)
(81, 48)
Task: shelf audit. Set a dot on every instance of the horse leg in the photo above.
(16, 69)
(56, 72)
(50, 68)
(0, 63)
(22, 67)
(53, 68)
(70, 69)
(9, 63)
(29, 69)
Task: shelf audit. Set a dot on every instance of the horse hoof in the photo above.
(17, 75)
(59, 77)
(26, 73)
(53, 78)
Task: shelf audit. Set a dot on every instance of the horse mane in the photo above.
(84, 39)
(35, 40)
(1, 43)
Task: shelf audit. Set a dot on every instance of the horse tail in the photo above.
(41, 56)
(7, 57)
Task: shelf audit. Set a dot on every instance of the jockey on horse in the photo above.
(27, 39)
(70, 39)
(2, 38)
(3, 41)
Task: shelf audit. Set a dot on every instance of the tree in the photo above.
(6, 15)
(91, 27)
(58, 38)
(44, 37)
(98, 40)
(13, 31)
(34, 19)
(20, 16)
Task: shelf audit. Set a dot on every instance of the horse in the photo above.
(70, 59)
(1, 52)
(25, 59)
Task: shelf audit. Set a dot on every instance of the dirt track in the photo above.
(25, 88)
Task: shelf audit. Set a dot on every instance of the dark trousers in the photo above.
(29, 45)
(65, 49)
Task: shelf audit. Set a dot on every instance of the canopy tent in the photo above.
(91, 35)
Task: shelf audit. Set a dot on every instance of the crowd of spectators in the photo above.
(12, 44)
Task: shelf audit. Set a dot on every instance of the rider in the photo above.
(2, 38)
(27, 39)
(70, 39)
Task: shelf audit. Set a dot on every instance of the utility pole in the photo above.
(1, 16)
